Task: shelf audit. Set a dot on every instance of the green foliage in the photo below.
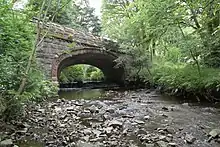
(186, 77)
(71, 73)
(96, 75)
(183, 34)
(80, 72)
(70, 13)
(16, 40)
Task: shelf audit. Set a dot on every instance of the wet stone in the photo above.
(108, 130)
(189, 138)
(164, 115)
(185, 104)
(149, 145)
(71, 108)
(87, 131)
(58, 109)
(142, 131)
(41, 110)
(6, 143)
(93, 109)
(110, 110)
(96, 132)
(172, 144)
(161, 144)
(146, 117)
(214, 133)
(139, 122)
(165, 108)
(162, 137)
(73, 144)
(115, 123)
(170, 130)
(23, 131)
(218, 140)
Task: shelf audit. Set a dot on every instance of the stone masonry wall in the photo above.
(60, 40)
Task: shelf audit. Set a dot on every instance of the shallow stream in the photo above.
(97, 117)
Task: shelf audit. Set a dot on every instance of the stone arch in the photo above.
(98, 57)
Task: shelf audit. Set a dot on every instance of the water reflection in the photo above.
(31, 143)
(81, 94)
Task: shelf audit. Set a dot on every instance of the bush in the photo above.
(16, 39)
(96, 75)
(186, 77)
(80, 72)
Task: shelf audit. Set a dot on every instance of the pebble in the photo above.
(115, 123)
(139, 122)
(214, 133)
(6, 143)
(189, 138)
(161, 144)
(172, 144)
(146, 117)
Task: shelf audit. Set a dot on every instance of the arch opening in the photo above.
(81, 72)
(101, 59)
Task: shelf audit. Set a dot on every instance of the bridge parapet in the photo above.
(80, 38)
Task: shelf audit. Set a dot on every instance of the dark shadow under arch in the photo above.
(102, 59)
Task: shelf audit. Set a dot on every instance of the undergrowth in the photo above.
(185, 77)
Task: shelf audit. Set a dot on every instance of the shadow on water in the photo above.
(30, 143)
(78, 93)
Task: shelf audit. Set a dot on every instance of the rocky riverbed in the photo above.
(138, 118)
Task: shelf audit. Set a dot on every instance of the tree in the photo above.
(153, 31)
(81, 72)
(18, 62)
(71, 13)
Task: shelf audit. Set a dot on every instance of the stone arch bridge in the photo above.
(63, 47)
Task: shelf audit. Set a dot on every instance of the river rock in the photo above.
(58, 109)
(93, 109)
(161, 144)
(170, 130)
(71, 108)
(214, 133)
(185, 104)
(87, 131)
(73, 144)
(139, 122)
(164, 115)
(172, 144)
(162, 137)
(110, 110)
(165, 108)
(23, 131)
(6, 143)
(149, 145)
(146, 117)
(41, 110)
(115, 123)
(84, 144)
(189, 138)
(96, 132)
(108, 130)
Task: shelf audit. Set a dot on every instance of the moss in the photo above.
(54, 35)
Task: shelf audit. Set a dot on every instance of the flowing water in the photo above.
(143, 113)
